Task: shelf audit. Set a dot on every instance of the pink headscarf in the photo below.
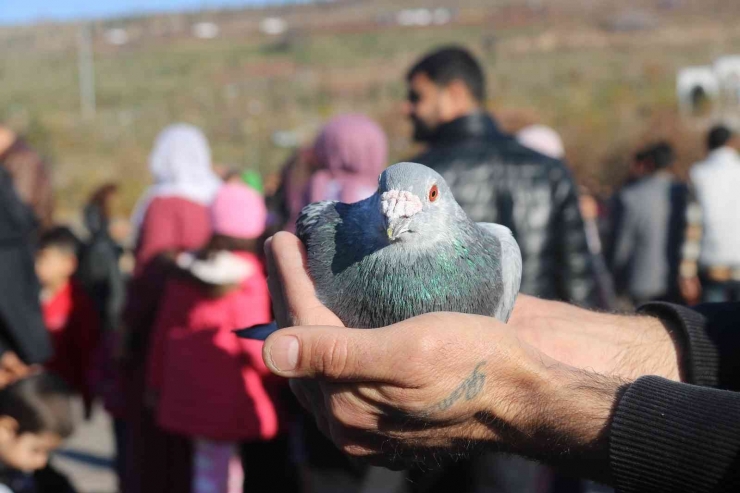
(352, 151)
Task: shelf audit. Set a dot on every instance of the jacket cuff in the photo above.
(673, 437)
(700, 357)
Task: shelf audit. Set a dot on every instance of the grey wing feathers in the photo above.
(311, 215)
(511, 267)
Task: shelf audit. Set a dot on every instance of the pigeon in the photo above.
(407, 250)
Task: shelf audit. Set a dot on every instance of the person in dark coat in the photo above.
(494, 178)
(23, 337)
(98, 269)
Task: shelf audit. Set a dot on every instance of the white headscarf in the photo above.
(542, 139)
(180, 163)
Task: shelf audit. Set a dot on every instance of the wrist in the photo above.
(570, 419)
(624, 346)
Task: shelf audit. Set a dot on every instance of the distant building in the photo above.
(205, 30)
(273, 26)
(116, 37)
(711, 90)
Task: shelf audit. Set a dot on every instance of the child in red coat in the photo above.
(211, 385)
(69, 313)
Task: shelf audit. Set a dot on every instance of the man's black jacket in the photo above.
(496, 179)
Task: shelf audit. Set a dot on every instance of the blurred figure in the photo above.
(36, 415)
(286, 202)
(99, 269)
(101, 276)
(69, 314)
(24, 340)
(542, 139)
(350, 152)
(171, 217)
(716, 182)
(29, 174)
(228, 398)
(649, 221)
(344, 164)
(547, 141)
(496, 179)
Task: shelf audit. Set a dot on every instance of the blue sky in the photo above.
(25, 11)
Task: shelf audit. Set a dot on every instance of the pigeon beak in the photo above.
(398, 207)
(396, 227)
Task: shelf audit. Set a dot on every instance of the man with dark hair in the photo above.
(715, 183)
(718, 137)
(649, 220)
(496, 179)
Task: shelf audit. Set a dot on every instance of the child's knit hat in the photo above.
(239, 212)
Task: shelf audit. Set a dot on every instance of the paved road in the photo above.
(87, 456)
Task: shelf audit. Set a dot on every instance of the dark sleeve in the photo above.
(677, 437)
(621, 249)
(116, 297)
(576, 280)
(710, 339)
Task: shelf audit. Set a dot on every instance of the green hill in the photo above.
(601, 72)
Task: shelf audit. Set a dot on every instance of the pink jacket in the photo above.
(212, 384)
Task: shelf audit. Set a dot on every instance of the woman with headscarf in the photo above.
(351, 152)
(170, 218)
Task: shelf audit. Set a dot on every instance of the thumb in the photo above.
(332, 353)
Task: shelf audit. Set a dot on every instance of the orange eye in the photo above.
(433, 193)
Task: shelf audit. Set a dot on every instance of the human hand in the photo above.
(12, 368)
(433, 386)
(690, 288)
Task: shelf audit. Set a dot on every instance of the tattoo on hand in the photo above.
(469, 388)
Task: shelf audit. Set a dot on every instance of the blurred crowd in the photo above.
(148, 330)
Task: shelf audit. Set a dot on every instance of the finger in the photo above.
(338, 354)
(347, 408)
(13, 362)
(276, 288)
(291, 265)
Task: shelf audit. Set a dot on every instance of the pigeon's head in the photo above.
(416, 203)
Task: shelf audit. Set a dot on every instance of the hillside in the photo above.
(602, 72)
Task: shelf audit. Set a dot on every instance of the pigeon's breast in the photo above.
(391, 284)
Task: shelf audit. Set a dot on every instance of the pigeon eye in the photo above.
(433, 193)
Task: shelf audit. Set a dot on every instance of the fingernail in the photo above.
(284, 353)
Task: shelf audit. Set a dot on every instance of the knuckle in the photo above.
(427, 346)
(342, 412)
(356, 450)
(332, 356)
